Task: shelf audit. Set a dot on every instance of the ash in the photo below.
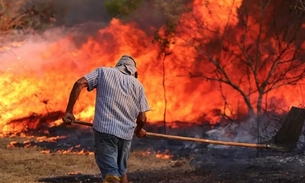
(76, 138)
(224, 162)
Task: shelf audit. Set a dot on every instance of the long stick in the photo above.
(218, 142)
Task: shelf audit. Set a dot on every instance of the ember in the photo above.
(160, 155)
(164, 155)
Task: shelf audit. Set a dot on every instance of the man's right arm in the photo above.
(141, 121)
(90, 81)
(75, 92)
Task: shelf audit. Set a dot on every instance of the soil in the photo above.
(190, 162)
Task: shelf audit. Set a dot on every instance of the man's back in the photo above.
(120, 101)
(120, 98)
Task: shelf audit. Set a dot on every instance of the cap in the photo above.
(126, 65)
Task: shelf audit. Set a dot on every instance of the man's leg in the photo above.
(112, 179)
(106, 156)
(123, 155)
(124, 178)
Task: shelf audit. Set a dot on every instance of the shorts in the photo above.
(111, 154)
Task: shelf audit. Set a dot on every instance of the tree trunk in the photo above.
(258, 119)
(164, 94)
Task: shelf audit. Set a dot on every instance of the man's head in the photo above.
(127, 65)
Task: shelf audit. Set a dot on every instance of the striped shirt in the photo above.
(119, 100)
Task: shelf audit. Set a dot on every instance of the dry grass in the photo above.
(11, 15)
(30, 165)
(24, 15)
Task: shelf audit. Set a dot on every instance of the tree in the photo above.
(120, 8)
(170, 16)
(300, 4)
(253, 47)
(20, 15)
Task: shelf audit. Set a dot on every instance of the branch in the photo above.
(301, 5)
(224, 35)
(283, 79)
(227, 79)
(258, 43)
(225, 107)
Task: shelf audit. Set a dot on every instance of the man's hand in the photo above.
(140, 133)
(68, 118)
(141, 120)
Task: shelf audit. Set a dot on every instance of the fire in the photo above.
(33, 142)
(160, 155)
(210, 12)
(39, 75)
(45, 151)
(11, 45)
(73, 173)
(69, 151)
(164, 155)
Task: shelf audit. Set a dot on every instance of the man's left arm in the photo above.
(141, 120)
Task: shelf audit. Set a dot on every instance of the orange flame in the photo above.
(39, 76)
(164, 155)
(160, 155)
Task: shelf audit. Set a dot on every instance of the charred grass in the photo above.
(31, 164)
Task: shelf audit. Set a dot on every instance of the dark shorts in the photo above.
(111, 154)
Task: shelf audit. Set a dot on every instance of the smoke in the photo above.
(235, 132)
(80, 19)
(71, 13)
(74, 12)
(22, 55)
(278, 15)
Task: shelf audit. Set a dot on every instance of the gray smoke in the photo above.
(71, 13)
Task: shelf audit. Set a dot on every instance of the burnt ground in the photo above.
(215, 170)
(190, 162)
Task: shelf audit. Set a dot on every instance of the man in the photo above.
(120, 101)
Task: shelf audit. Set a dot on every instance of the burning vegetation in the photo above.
(209, 67)
(228, 69)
